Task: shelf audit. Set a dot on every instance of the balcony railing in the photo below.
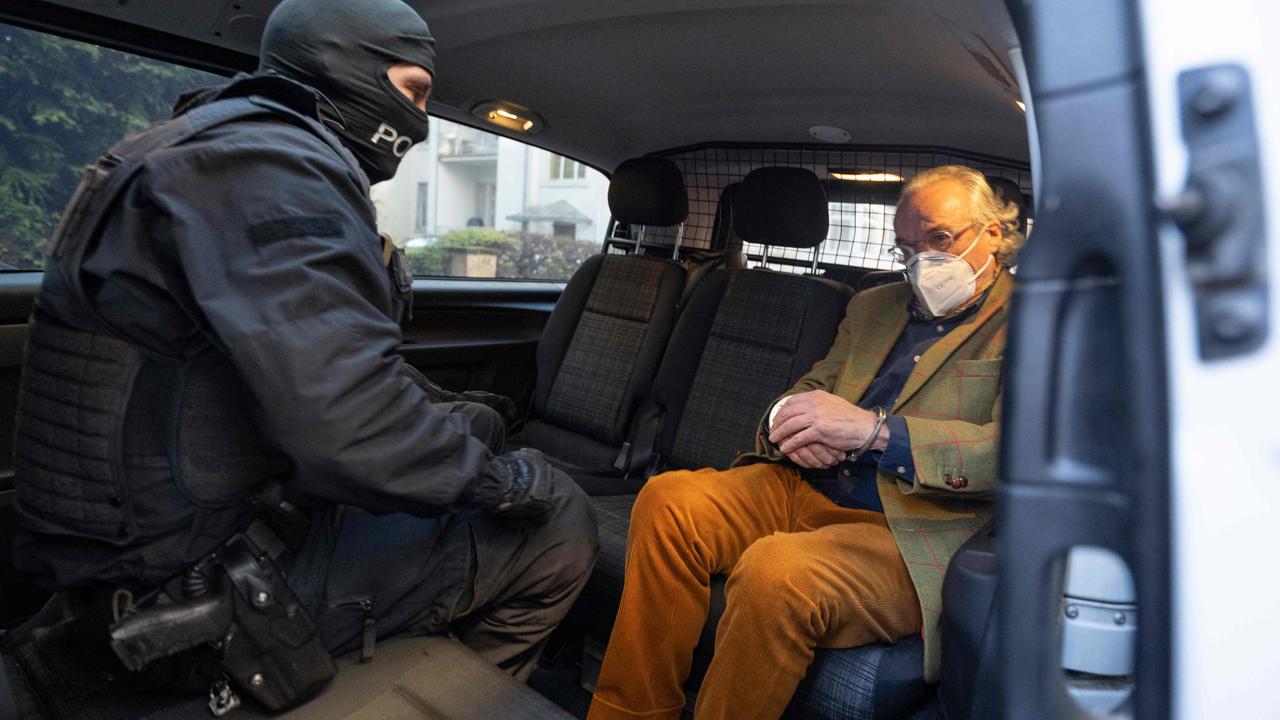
(453, 146)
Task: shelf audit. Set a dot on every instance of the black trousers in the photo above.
(500, 589)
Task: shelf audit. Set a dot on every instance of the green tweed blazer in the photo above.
(951, 403)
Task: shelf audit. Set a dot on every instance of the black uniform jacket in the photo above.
(259, 238)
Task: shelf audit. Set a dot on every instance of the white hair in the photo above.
(985, 206)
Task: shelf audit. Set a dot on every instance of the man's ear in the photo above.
(992, 231)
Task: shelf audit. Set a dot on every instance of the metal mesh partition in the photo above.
(860, 211)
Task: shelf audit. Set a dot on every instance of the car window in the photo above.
(469, 203)
(62, 103)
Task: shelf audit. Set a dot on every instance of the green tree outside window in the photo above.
(62, 103)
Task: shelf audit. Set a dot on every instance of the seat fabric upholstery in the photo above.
(613, 515)
(754, 352)
(744, 337)
(872, 682)
(589, 393)
(598, 355)
(602, 344)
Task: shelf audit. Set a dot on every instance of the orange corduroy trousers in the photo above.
(803, 573)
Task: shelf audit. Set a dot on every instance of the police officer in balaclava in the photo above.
(349, 52)
(375, 101)
(235, 328)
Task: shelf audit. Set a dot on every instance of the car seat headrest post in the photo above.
(675, 250)
(639, 233)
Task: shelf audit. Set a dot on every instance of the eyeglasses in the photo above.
(935, 241)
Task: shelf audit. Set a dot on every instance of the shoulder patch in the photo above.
(269, 231)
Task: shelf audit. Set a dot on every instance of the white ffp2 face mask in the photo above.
(941, 281)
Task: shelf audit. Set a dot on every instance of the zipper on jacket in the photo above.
(370, 636)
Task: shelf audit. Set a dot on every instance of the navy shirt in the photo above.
(853, 484)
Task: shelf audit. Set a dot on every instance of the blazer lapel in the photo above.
(938, 353)
(881, 325)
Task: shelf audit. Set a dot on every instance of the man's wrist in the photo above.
(873, 438)
(882, 439)
(773, 413)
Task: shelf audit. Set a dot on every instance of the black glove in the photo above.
(504, 405)
(501, 403)
(517, 487)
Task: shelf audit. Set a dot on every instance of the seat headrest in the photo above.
(1008, 191)
(648, 191)
(722, 235)
(781, 206)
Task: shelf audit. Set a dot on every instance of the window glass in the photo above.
(859, 234)
(468, 203)
(420, 220)
(567, 169)
(62, 103)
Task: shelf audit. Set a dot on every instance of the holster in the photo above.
(238, 605)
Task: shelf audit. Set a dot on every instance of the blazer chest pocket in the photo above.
(980, 368)
(962, 390)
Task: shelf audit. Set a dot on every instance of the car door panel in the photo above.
(1085, 446)
(463, 334)
(478, 334)
(17, 293)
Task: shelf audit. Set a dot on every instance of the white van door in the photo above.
(1213, 83)
(1144, 350)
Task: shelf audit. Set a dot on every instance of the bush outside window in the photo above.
(62, 103)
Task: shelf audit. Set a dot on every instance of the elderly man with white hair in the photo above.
(870, 473)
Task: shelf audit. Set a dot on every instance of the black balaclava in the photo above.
(343, 48)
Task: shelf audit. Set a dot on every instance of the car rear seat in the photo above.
(742, 338)
(601, 346)
(746, 335)
(412, 678)
(755, 333)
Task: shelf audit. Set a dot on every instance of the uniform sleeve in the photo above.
(822, 376)
(284, 273)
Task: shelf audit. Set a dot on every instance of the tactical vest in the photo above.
(118, 447)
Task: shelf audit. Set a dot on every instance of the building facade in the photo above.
(464, 177)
